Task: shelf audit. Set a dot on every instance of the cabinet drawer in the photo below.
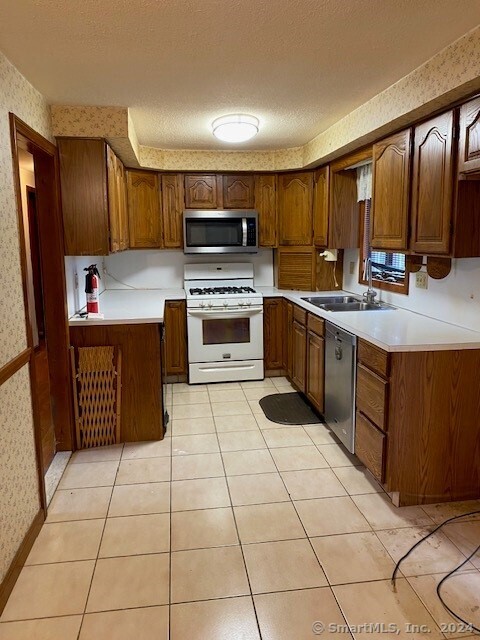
(370, 446)
(374, 358)
(372, 396)
(299, 314)
(316, 324)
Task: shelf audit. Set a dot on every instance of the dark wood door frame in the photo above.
(50, 227)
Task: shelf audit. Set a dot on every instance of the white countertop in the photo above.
(393, 330)
(131, 306)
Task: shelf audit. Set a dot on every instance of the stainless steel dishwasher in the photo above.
(340, 375)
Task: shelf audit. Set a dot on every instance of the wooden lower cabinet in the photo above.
(372, 396)
(417, 422)
(273, 335)
(175, 323)
(141, 400)
(288, 319)
(370, 444)
(299, 355)
(315, 370)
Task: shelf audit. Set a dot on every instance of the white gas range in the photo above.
(224, 322)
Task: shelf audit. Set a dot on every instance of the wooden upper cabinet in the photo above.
(144, 215)
(432, 185)
(122, 205)
(390, 192)
(321, 206)
(113, 201)
(117, 203)
(469, 142)
(295, 209)
(83, 180)
(238, 192)
(172, 210)
(266, 205)
(201, 191)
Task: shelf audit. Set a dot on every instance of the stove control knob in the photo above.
(210, 304)
(225, 303)
(202, 304)
(241, 303)
(249, 303)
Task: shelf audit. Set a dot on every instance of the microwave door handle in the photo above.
(244, 232)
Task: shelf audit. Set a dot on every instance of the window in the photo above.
(388, 269)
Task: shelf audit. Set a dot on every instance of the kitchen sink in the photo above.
(320, 301)
(346, 303)
(355, 306)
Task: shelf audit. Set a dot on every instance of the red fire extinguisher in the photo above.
(91, 288)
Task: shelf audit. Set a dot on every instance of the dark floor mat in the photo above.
(288, 408)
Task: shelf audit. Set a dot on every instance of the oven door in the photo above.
(225, 335)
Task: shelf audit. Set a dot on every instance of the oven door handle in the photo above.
(223, 314)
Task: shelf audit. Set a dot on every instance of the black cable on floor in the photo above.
(470, 625)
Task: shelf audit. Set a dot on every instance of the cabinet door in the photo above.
(273, 333)
(295, 209)
(390, 193)
(175, 337)
(344, 209)
(83, 178)
(299, 363)
(469, 143)
(288, 316)
(172, 210)
(238, 192)
(121, 183)
(315, 370)
(296, 268)
(320, 207)
(144, 210)
(266, 205)
(201, 192)
(370, 446)
(113, 201)
(432, 185)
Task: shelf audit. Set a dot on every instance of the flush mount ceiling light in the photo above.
(235, 127)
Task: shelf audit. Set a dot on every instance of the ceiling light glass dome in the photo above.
(235, 127)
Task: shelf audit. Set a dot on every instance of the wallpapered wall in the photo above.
(19, 499)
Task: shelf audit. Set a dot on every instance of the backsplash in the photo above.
(154, 269)
(151, 269)
(454, 299)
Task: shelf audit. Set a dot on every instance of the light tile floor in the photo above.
(235, 528)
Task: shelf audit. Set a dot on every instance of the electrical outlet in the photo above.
(421, 281)
(76, 280)
(352, 268)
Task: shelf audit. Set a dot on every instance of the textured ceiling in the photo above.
(299, 65)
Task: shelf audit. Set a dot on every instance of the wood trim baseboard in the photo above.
(11, 368)
(6, 587)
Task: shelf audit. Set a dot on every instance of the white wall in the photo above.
(76, 295)
(155, 269)
(454, 299)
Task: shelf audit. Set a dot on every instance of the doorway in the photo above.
(35, 169)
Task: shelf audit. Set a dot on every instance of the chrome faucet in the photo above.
(369, 294)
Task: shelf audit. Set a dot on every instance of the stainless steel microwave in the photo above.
(220, 231)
